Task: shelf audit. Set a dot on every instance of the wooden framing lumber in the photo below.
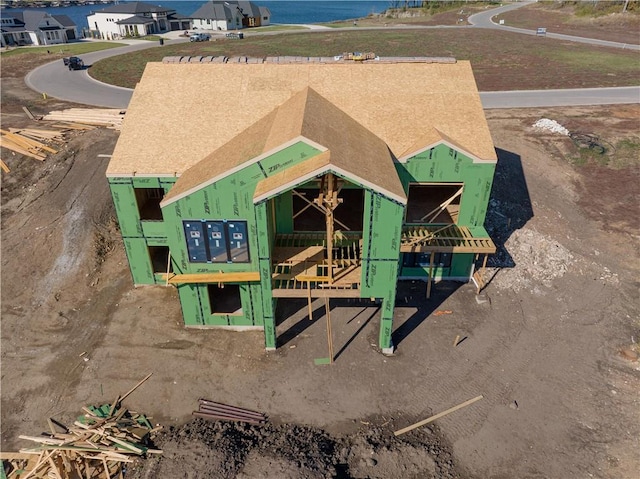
(128, 393)
(447, 239)
(29, 114)
(433, 214)
(327, 309)
(436, 416)
(4, 167)
(25, 142)
(7, 143)
(239, 277)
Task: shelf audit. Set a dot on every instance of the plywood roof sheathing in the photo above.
(225, 99)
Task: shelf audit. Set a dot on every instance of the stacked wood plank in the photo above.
(109, 117)
(95, 446)
(31, 143)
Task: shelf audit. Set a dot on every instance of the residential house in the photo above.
(135, 19)
(33, 27)
(304, 178)
(230, 15)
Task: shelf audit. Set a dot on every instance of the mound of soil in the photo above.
(202, 449)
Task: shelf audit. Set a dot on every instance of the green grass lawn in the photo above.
(501, 60)
(70, 49)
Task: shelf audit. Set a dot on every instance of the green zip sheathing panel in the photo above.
(386, 321)
(382, 228)
(230, 198)
(283, 205)
(443, 164)
(191, 303)
(138, 235)
(264, 301)
(196, 309)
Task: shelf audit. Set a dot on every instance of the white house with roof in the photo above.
(135, 19)
(33, 27)
(230, 15)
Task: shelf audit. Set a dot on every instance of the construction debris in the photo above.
(25, 145)
(436, 416)
(95, 446)
(223, 412)
(109, 117)
(551, 125)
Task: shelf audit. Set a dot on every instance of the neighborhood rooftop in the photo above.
(207, 104)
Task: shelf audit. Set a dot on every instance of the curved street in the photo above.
(485, 20)
(57, 81)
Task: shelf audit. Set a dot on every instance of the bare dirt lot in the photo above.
(550, 343)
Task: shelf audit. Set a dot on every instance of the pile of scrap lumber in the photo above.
(217, 411)
(109, 117)
(95, 446)
(31, 142)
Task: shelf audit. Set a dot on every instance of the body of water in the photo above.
(302, 11)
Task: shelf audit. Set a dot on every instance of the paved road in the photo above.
(485, 20)
(575, 97)
(57, 81)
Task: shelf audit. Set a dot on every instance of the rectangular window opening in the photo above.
(224, 299)
(434, 204)
(148, 200)
(159, 256)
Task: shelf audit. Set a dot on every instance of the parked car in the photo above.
(199, 37)
(238, 36)
(74, 63)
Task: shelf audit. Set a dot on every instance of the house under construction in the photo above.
(245, 181)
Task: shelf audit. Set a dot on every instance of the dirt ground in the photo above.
(550, 344)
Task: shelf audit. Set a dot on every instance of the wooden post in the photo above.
(309, 300)
(329, 221)
(430, 274)
(168, 267)
(329, 332)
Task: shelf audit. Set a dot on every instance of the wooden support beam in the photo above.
(239, 277)
(437, 416)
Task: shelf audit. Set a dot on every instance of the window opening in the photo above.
(224, 299)
(148, 200)
(434, 204)
(159, 256)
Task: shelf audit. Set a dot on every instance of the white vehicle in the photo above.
(199, 37)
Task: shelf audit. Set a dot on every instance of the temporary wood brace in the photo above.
(240, 277)
(433, 214)
(311, 203)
